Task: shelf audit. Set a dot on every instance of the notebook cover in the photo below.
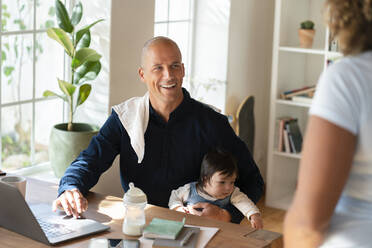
(162, 228)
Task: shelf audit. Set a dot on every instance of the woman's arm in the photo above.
(325, 165)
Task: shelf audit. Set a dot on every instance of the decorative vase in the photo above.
(306, 37)
(65, 146)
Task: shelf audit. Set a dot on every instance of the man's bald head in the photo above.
(157, 40)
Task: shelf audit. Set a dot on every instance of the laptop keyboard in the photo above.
(53, 230)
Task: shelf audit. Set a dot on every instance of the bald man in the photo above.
(179, 131)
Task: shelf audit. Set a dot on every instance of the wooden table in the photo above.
(110, 211)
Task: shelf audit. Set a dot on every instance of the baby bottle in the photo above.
(134, 202)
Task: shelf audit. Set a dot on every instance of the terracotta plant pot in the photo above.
(306, 37)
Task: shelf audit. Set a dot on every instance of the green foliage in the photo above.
(62, 38)
(63, 19)
(13, 58)
(8, 70)
(10, 146)
(307, 24)
(85, 63)
(77, 13)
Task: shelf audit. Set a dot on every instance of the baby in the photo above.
(216, 186)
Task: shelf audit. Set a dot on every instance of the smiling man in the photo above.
(161, 139)
(162, 70)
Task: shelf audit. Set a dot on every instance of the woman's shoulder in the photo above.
(352, 64)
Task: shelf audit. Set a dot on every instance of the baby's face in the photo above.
(220, 186)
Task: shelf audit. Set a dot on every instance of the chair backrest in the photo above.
(245, 119)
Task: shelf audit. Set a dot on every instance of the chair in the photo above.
(245, 122)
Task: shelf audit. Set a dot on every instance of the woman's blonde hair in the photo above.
(350, 22)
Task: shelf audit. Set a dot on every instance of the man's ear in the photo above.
(183, 69)
(141, 74)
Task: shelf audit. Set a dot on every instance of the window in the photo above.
(29, 65)
(173, 19)
(201, 29)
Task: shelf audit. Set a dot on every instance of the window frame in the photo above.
(190, 41)
(34, 30)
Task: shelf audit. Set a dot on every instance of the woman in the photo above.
(332, 206)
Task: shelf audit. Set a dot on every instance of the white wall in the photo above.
(94, 110)
(132, 23)
(249, 66)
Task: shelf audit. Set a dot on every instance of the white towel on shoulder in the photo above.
(134, 115)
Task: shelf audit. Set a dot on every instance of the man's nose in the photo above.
(168, 72)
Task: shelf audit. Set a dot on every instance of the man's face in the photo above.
(163, 72)
(220, 186)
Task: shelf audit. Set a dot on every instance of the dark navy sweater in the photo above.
(173, 154)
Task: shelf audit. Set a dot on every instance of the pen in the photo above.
(187, 237)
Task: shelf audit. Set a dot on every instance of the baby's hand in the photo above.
(182, 209)
(256, 221)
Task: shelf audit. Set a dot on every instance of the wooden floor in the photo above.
(272, 217)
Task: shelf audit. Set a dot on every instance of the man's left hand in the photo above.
(209, 210)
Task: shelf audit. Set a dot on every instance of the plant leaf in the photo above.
(84, 55)
(77, 13)
(66, 87)
(84, 92)
(84, 41)
(49, 23)
(81, 32)
(62, 38)
(52, 11)
(62, 17)
(8, 70)
(88, 71)
(49, 93)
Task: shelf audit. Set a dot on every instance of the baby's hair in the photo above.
(217, 160)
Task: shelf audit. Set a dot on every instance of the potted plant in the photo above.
(306, 34)
(67, 140)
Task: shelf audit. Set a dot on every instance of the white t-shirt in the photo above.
(344, 97)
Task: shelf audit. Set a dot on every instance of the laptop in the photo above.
(39, 222)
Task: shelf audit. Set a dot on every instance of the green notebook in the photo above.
(162, 228)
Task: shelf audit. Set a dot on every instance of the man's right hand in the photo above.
(72, 201)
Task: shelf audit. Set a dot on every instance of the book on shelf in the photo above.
(307, 90)
(290, 137)
(162, 228)
(302, 99)
(286, 142)
(295, 136)
(281, 145)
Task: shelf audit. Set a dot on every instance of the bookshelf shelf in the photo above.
(288, 155)
(292, 103)
(302, 50)
(293, 67)
(334, 54)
